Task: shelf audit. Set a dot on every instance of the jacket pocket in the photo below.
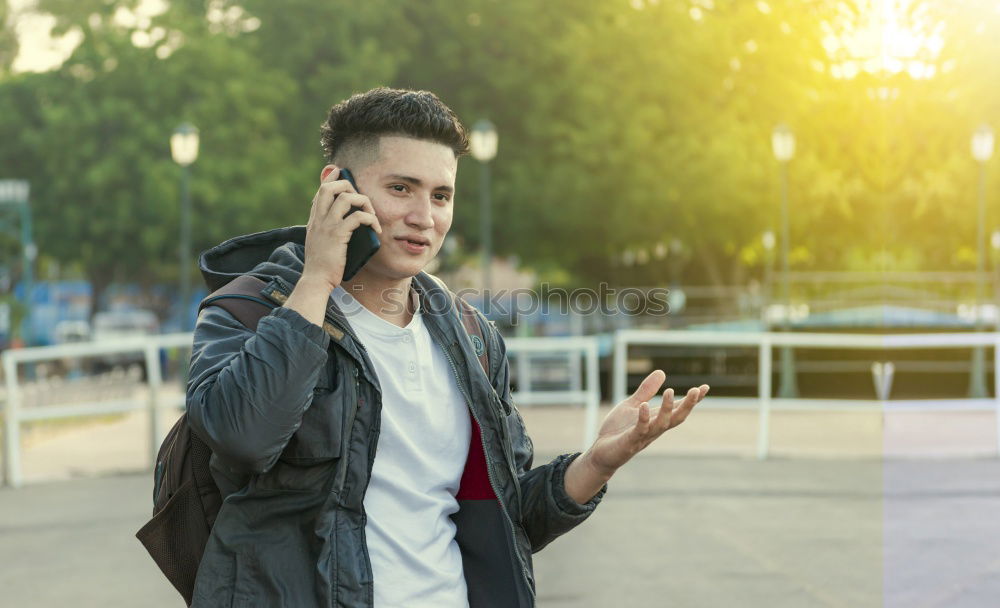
(517, 444)
(262, 551)
(318, 437)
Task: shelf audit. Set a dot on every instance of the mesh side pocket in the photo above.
(176, 537)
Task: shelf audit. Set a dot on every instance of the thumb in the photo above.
(649, 387)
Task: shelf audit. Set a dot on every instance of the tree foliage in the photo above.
(625, 125)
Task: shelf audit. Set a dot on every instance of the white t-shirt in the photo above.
(420, 457)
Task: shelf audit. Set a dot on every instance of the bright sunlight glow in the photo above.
(883, 38)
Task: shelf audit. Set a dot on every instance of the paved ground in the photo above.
(673, 531)
(693, 523)
(64, 451)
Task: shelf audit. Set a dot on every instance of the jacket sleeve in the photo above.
(247, 391)
(547, 511)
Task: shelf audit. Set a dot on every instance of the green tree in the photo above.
(624, 125)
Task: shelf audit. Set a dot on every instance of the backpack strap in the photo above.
(211, 498)
(470, 320)
(241, 298)
(473, 321)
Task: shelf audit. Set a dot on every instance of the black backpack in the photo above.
(186, 499)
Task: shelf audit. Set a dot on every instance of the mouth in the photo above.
(414, 244)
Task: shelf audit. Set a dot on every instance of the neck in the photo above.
(387, 298)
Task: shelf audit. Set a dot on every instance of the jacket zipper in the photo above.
(348, 425)
(372, 444)
(508, 446)
(489, 471)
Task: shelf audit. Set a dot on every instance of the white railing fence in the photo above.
(581, 358)
(578, 351)
(766, 341)
(15, 415)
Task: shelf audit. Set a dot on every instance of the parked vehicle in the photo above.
(69, 332)
(116, 324)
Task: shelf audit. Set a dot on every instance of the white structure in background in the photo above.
(580, 352)
(766, 341)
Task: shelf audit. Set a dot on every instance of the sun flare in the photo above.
(883, 38)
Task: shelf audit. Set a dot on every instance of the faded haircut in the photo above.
(359, 121)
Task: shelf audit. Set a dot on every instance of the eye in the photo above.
(442, 197)
(398, 187)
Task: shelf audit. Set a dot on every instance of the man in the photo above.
(364, 455)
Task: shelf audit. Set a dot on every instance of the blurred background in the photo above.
(809, 184)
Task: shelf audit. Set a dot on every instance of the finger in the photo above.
(368, 207)
(327, 195)
(331, 176)
(354, 220)
(662, 421)
(641, 427)
(684, 407)
(649, 387)
(348, 200)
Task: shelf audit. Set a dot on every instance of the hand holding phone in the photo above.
(338, 239)
(363, 244)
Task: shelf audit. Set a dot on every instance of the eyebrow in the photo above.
(417, 182)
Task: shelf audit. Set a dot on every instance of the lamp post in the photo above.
(483, 146)
(982, 151)
(768, 241)
(783, 146)
(184, 150)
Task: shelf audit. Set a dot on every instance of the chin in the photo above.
(398, 272)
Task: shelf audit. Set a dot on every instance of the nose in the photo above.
(419, 216)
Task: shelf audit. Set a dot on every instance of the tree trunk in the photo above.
(99, 283)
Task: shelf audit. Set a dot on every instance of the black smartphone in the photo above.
(364, 242)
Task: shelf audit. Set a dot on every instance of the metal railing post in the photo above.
(619, 373)
(764, 396)
(155, 380)
(12, 423)
(523, 373)
(575, 360)
(996, 385)
(593, 395)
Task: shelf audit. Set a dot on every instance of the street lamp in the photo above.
(483, 146)
(184, 150)
(982, 150)
(783, 146)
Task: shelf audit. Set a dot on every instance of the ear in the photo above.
(327, 170)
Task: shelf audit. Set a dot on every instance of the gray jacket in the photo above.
(292, 414)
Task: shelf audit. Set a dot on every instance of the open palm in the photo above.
(632, 424)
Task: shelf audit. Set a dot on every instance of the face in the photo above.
(412, 187)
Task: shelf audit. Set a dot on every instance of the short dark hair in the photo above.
(364, 117)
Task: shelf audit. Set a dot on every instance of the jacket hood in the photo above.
(281, 252)
(276, 252)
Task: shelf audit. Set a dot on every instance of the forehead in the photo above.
(428, 161)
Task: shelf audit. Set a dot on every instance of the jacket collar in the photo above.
(277, 257)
